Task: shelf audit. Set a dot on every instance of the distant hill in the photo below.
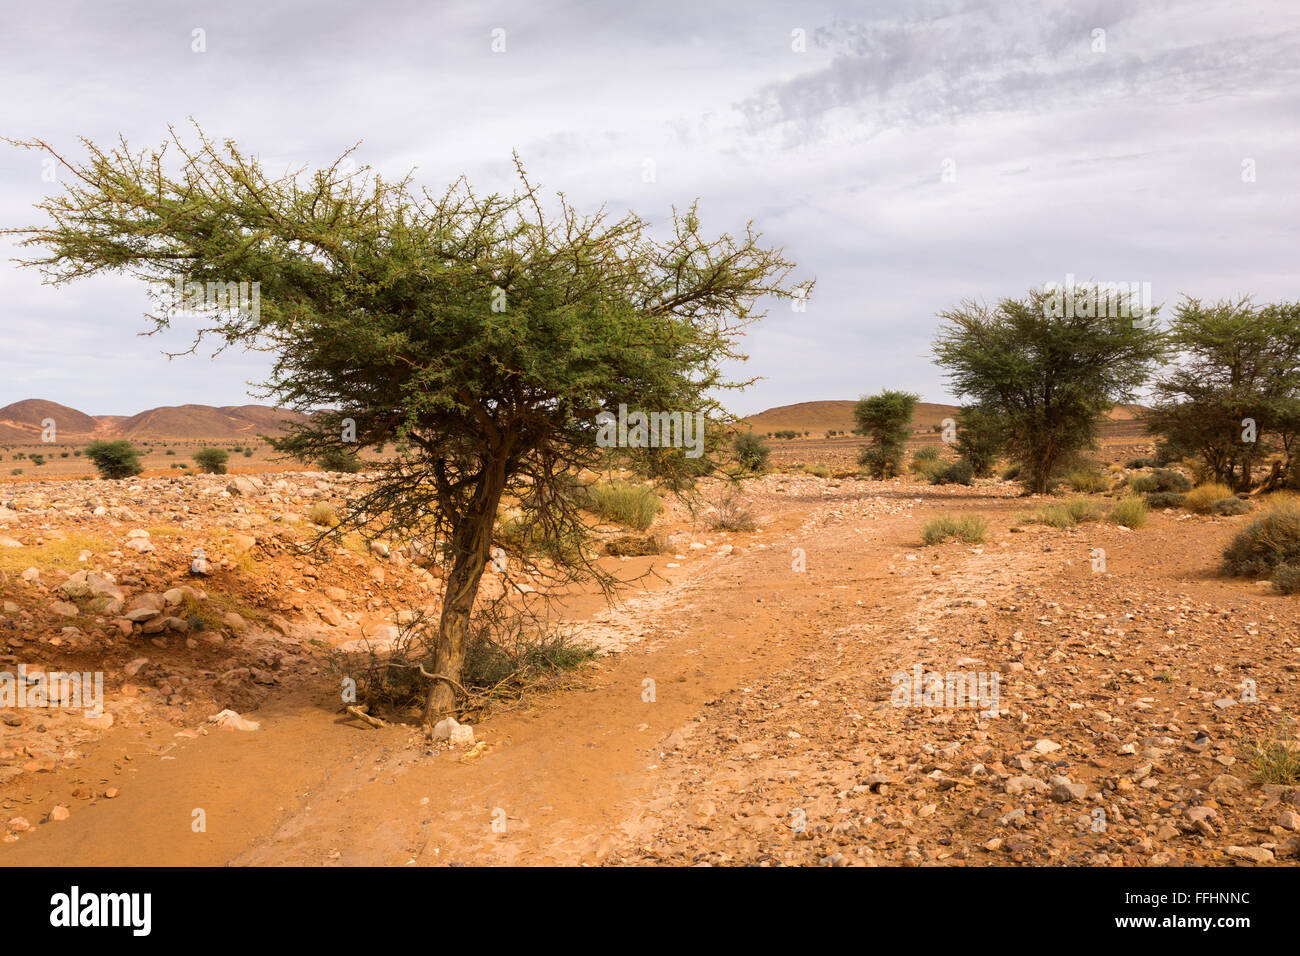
(821, 417)
(20, 423)
(204, 421)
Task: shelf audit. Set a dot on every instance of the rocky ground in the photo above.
(747, 710)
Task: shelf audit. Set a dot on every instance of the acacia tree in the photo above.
(480, 334)
(1234, 396)
(1050, 373)
(886, 419)
(981, 437)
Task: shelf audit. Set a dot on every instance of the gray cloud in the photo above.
(1123, 165)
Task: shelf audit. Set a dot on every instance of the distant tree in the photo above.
(1050, 373)
(339, 458)
(751, 451)
(886, 419)
(1234, 397)
(482, 334)
(114, 459)
(211, 461)
(981, 438)
(38, 460)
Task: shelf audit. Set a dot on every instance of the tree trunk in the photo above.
(471, 545)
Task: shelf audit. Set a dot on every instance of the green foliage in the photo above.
(971, 529)
(1087, 481)
(38, 460)
(957, 473)
(1274, 758)
(751, 451)
(1239, 362)
(211, 461)
(633, 505)
(1164, 499)
(1055, 516)
(114, 459)
(1162, 479)
(1049, 377)
(338, 458)
(1130, 512)
(480, 333)
(981, 438)
(1226, 507)
(886, 419)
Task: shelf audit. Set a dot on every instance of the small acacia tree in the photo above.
(751, 451)
(1234, 397)
(114, 459)
(211, 461)
(1049, 372)
(481, 335)
(886, 419)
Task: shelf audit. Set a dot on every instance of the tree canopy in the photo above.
(1049, 373)
(481, 334)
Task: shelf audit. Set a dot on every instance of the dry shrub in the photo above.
(1131, 513)
(969, 528)
(730, 514)
(1270, 540)
(1201, 498)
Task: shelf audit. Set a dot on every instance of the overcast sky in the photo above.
(1115, 156)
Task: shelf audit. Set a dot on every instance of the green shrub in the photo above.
(211, 461)
(821, 471)
(924, 460)
(969, 528)
(960, 472)
(340, 458)
(1164, 499)
(38, 460)
(627, 504)
(1130, 512)
(752, 452)
(1273, 759)
(1142, 463)
(1087, 482)
(114, 459)
(1169, 480)
(1055, 516)
(1083, 510)
(1270, 540)
(1230, 506)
